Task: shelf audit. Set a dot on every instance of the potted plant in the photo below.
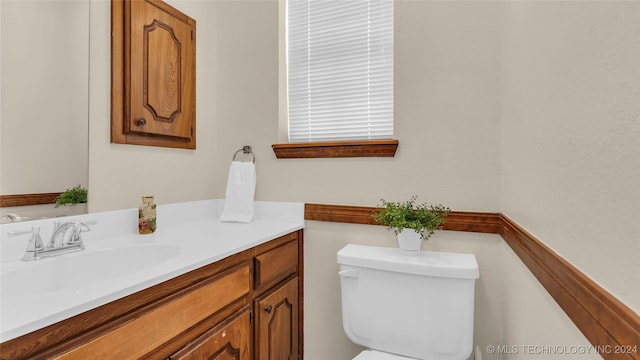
(75, 195)
(411, 222)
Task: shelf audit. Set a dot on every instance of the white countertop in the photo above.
(190, 235)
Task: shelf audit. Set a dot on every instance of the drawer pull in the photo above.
(268, 309)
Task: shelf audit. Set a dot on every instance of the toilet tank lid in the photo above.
(427, 263)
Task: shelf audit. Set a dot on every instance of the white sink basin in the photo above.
(73, 272)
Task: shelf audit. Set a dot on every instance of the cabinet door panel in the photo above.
(230, 340)
(277, 323)
(161, 73)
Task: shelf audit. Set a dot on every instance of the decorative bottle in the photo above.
(147, 216)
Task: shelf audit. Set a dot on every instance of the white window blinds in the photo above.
(340, 70)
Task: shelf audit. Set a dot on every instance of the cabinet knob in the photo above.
(268, 309)
(141, 121)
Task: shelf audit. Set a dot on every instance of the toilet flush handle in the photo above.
(350, 273)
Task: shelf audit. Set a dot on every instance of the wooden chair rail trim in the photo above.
(336, 149)
(602, 318)
(28, 199)
(456, 221)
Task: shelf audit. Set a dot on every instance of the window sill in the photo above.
(336, 149)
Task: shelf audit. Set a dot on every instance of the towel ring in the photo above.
(245, 150)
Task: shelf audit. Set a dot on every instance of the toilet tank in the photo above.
(418, 306)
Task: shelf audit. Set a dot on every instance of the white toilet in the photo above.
(407, 307)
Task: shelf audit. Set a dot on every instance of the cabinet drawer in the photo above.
(146, 330)
(277, 263)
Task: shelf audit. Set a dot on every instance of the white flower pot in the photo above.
(409, 241)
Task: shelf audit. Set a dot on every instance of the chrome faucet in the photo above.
(65, 239)
(68, 233)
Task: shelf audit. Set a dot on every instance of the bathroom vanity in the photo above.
(229, 291)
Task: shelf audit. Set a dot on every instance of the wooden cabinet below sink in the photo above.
(219, 311)
(229, 340)
(277, 318)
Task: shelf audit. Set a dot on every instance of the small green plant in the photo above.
(424, 219)
(75, 195)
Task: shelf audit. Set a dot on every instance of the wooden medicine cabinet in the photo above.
(152, 75)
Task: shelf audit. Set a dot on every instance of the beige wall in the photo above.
(479, 86)
(120, 174)
(570, 152)
(446, 117)
(571, 134)
(45, 79)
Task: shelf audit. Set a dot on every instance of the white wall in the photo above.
(494, 112)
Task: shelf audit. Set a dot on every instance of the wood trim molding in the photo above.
(456, 221)
(336, 149)
(28, 199)
(604, 320)
(340, 213)
(482, 222)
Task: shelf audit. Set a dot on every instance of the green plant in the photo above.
(75, 195)
(424, 219)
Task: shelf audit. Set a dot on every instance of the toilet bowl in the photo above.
(407, 307)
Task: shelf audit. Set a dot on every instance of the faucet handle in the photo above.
(83, 226)
(80, 227)
(88, 222)
(24, 232)
(34, 245)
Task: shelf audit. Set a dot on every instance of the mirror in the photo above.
(44, 103)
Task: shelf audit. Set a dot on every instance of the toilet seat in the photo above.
(379, 355)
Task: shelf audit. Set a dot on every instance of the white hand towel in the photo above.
(241, 189)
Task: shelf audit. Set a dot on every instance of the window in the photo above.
(340, 70)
